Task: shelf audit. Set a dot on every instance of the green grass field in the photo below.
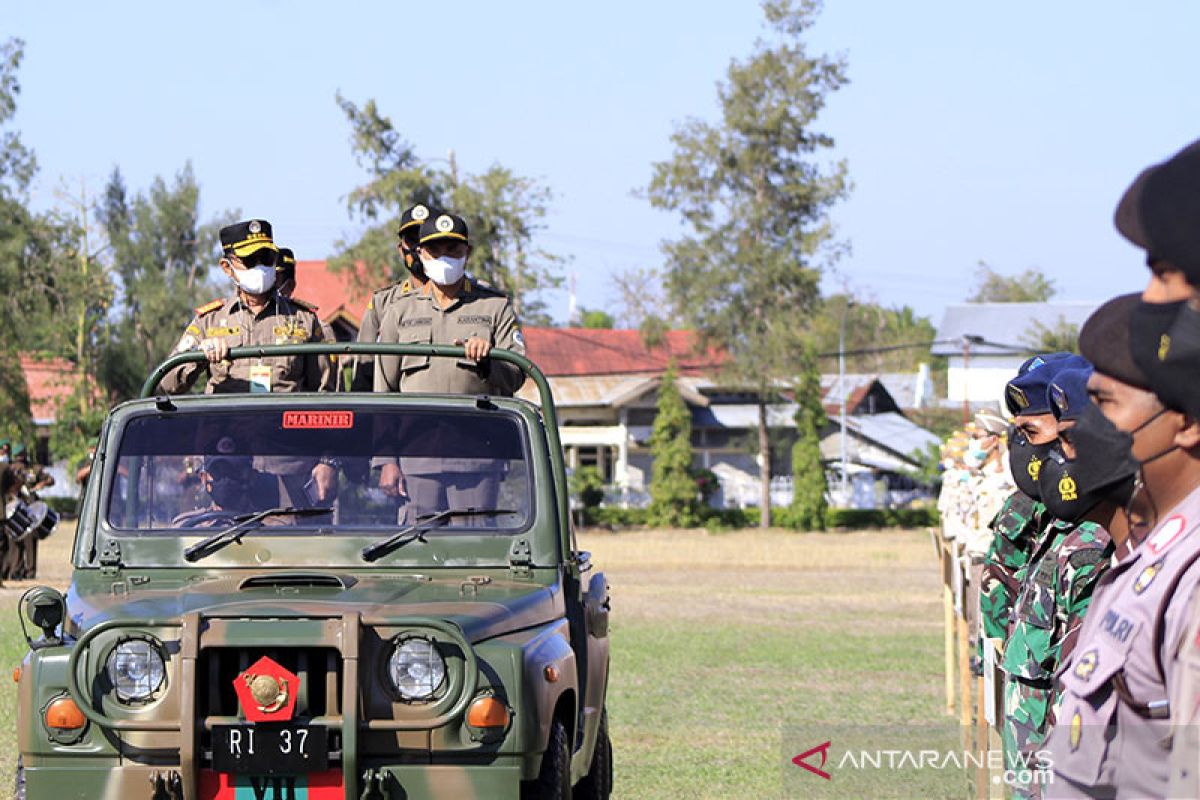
(731, 654)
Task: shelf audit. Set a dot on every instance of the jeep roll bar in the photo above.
(545, 397)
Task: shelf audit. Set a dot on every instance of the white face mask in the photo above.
(444, 271)
(256, 280)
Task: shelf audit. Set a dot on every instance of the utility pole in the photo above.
(842, 413)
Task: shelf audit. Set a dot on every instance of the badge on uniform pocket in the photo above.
(260, 378)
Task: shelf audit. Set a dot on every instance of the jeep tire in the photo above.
(554, 780)
(598, 783)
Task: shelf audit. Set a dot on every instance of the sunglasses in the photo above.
(261, 258)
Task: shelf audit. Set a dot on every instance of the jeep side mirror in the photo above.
(46, 608)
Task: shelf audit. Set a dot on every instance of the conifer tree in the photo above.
(673, 495)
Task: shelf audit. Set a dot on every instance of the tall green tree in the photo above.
(163, 256)
(673, 493)
(1031, 286)
(754, 196)
(808, 473)
(503, 210)
(24, 305)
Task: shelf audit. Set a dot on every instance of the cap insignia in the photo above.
(255, 226)
(444, 223)
(420, 213)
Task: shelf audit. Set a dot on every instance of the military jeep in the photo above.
(230, 632)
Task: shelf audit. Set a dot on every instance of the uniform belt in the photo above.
(1156, 709)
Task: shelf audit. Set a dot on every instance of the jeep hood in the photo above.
(482, 609)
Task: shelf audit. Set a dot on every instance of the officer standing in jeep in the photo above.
(255, 314)
(258, 314)
(408, 235)
(449, 309)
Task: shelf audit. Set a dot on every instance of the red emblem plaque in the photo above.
(267, 691)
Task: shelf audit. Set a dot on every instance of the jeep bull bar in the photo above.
(342, 633)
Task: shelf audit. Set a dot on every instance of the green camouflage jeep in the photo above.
(251, 615)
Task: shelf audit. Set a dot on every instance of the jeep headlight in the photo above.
(136, 669)
(416, 668)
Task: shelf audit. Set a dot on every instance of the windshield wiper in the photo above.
(243, 524)
(425, 523)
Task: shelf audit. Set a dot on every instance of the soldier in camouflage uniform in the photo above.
(1022, 517)
(1056, 588)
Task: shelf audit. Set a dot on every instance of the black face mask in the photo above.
(413, 262)
(1025, 462)
(1103, 468)
(1150, 341)
(1177, 379)
(1063, 492)
(229, 493)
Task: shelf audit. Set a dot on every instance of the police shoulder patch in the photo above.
(208, 308)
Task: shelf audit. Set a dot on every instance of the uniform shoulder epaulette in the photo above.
(307, 306)
(208, 308)
(482, 287)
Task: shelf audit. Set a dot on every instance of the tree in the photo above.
(1031, 286)
(755, 200)
(596, 319)
(504, 212)
(872, 327)
(808, 473)
(673, 494)
(24, 304)
(640, 297)
(1061, 337)
(163, 256)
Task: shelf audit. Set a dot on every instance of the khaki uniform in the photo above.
(381, 300)
(417, 318)
(281, 321)
(1112, 734)
(434, 484)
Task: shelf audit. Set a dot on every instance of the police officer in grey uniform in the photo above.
(409, 234)
(449, 309)
(1112, 737)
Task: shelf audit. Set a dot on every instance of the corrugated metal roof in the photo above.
(588, 351)
(893, 431)
(1003, 323)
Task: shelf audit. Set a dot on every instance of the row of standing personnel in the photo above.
(1093, 577)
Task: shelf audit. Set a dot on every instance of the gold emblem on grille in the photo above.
(270, 693)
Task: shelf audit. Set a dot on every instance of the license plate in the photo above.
(314, 786)
(269, 750)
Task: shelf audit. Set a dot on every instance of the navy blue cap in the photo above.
(1026, 394)
(1068, 393)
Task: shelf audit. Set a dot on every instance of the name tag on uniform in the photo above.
(260, 378)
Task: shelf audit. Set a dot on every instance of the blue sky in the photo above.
(995, 132)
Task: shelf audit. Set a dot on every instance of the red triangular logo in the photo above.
(823, 749)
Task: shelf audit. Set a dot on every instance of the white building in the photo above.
(986, 342)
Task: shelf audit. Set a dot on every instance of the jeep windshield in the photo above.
(372, 469)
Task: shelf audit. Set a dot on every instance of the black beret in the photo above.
(1025, 395)
(444, 226)
(244, 238)
(415, 216)
(1104, 340)
(1160, 212)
